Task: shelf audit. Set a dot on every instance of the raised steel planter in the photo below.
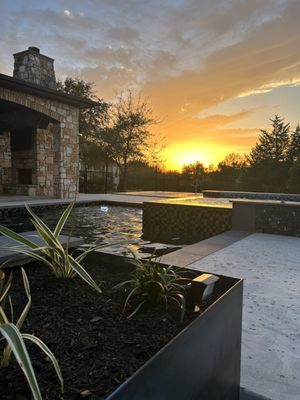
(201, 363)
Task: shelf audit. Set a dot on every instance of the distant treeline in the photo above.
(273, 165)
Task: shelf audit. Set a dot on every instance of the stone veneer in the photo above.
(56, 175)
(282, 218)
(5, 160)
(34, 67)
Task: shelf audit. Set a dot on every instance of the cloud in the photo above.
(293, 82)
(186, 56)
(263, 57)
(123, 34)
(68, 14)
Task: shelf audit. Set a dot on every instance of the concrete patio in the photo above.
(270, 267)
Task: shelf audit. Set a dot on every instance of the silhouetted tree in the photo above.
(293, 183)
(195, 171)
(126, 136)
(91, 120)
(269, 159)
(294, 148)
(272, 146)
(229, 170)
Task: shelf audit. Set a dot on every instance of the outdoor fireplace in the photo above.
(39, 140)
(25, 176)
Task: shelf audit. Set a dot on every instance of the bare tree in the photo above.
(126, 136)
(195, 171)
(154, 155)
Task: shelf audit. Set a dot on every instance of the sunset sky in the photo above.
(214, 71)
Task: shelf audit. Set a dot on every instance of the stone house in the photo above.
(39, 138)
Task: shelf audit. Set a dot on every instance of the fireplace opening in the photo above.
(21, 139)
(25, 176)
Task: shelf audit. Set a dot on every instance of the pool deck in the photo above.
(270, 267)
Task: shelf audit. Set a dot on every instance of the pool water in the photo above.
(94, 224)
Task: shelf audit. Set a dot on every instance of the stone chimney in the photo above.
(34, 67)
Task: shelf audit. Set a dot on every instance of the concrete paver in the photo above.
(196, 251)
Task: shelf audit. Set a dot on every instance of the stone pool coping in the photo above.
(10, 207)
(82, 197)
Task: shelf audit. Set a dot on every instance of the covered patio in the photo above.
(39, 130)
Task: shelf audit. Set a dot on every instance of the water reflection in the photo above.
(95, 224)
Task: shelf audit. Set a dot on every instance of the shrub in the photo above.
(151, 283)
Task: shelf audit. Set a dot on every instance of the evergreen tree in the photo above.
(270, 159)
(294, 180)
(294, 148)
(272, 146)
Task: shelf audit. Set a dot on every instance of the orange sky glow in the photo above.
(214, 71)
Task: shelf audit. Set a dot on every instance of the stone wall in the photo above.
(276, 219)
(45, 161)
(273, 217)
(34, 67)
(183, 223)
(23, 159)
(64, 132)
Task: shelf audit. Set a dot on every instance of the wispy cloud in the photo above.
(187, 56)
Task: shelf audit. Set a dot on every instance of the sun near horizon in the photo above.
(177, 156)
(214, 72)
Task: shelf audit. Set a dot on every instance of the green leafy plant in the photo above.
(52, 253)
(153, 284)
(15, 339)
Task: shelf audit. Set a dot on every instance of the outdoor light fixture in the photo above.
(202, 287)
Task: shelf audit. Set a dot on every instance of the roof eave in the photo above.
(38, 90)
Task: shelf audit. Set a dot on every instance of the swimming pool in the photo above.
(94, 224)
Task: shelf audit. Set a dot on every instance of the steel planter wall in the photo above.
(201, 363)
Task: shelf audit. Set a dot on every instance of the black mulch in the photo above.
(96, 345)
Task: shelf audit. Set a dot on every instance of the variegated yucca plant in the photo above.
(15, 339)
(52, 253)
